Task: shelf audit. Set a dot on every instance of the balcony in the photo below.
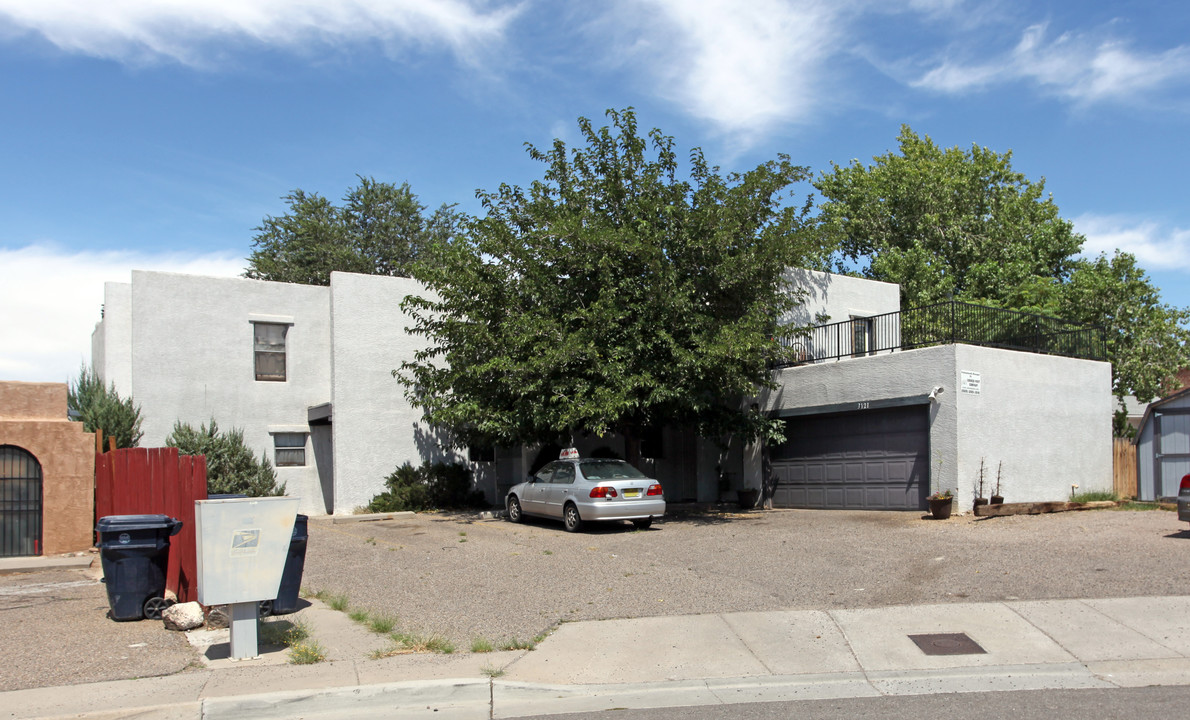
(945, 323)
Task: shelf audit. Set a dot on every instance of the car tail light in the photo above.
(1185, 484)
(601, 491)
(654, 489)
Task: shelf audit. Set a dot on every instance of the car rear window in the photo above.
(596, 470)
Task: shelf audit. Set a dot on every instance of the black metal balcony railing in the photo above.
(945, 323)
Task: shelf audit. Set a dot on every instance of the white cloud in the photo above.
(1079, 67)
(1156, 247)
(744, 67)
(147, 30)
(52, 299)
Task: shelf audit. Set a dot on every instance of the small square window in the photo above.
(481, 453)
(268, 343)
(289, 449)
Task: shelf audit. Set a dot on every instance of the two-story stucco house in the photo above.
(873, 420)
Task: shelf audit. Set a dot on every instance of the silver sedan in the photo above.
(588, 489)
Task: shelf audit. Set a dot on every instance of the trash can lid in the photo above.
(122, 523)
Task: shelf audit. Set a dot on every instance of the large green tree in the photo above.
(100, 407)
(610, 295)
(962, 224)
(380, 229)
(945, 223)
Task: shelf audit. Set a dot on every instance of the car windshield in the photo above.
(596, 470)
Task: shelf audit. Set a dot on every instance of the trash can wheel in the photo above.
(155, 605)
(265, 608)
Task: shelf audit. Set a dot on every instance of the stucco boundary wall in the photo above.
(33, 417)
(1046, 418)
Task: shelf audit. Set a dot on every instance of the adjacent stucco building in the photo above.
(47, 473)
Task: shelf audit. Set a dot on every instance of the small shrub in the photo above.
(306, 653)
(429, 487)
(481, 645)
(231, 466)
(102, 408)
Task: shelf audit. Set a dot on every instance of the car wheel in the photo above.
(514, 510)
(570, 518)
(642, 524)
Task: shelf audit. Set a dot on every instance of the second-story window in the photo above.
(268, 343)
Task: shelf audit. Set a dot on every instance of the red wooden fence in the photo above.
(150, 481)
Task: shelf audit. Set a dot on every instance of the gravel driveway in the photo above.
(463, 579)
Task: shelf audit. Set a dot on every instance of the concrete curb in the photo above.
(369, 517)
(40, 563)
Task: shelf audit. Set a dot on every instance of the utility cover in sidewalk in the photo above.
(947, 644)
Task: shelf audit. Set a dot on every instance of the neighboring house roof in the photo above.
(1156, 405)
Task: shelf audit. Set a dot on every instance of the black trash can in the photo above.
(134, 550)
(291, 576)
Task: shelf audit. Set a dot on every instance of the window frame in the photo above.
(262, 349)
(279, 448)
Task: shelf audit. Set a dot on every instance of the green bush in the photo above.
(99, 407)
(433, 486)
(231, 466)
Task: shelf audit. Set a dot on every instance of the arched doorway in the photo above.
(20, 502)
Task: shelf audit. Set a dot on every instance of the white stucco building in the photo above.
(306, 372)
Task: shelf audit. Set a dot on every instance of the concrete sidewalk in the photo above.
(687, 660)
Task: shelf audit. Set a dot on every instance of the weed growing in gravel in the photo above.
(419, 643)
(1135, 505)
(284, 632)
(359, 616)
(371, 541)
(481, 645)
(547, 552)
(337, 602)
(516, 644)
(492, 672)
(1098, 496)
(382, 624)
(306, 653)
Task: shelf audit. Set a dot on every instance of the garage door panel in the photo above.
(875, 459)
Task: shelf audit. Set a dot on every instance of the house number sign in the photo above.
(970, 382)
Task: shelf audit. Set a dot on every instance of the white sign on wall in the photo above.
(970, 382)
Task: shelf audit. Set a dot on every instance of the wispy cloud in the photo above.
(1155, 246)
(744, 67)
(1080, 67)
(52, 300)
(183, 30)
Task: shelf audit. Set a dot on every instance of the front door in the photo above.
(20, 502)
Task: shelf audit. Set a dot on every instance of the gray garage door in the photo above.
(873, 460)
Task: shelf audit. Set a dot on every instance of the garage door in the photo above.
(873, 460)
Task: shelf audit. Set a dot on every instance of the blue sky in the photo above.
(157, 135)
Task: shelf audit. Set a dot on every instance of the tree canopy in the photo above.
(945, 223)
(963, 224)
(380, 229)
(100, 407)
(608, 296)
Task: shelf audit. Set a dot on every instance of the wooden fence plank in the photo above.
(1124, 468)
(138, 481)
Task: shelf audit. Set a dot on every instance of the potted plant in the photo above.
(941, 503)
(997, 498)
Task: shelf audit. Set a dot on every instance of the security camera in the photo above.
(936, 392)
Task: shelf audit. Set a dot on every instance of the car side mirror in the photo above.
(532, 478)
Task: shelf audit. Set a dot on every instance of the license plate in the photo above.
(632, 493)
